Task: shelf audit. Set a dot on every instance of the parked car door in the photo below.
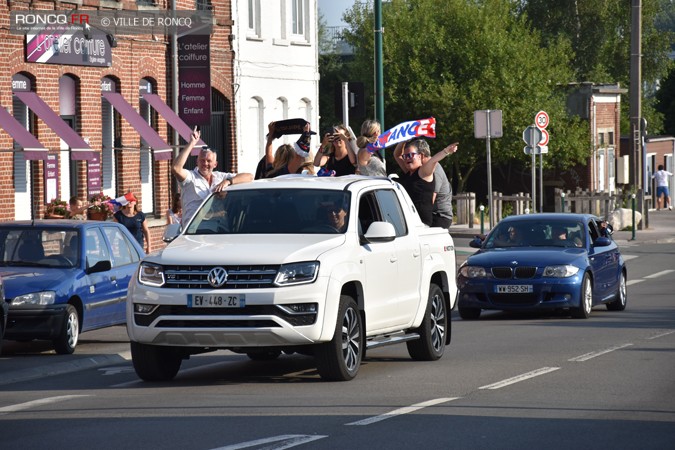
(125, 259)
(103, 292)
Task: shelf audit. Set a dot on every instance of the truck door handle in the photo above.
(393, 259)
(416, 253)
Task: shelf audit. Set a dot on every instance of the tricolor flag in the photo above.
(121, 201)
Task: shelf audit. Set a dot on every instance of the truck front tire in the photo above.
(339, 359)
(154, 362)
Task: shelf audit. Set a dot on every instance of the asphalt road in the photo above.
(507, 381)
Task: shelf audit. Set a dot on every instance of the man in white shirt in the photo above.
(662, 193)
(198, 183)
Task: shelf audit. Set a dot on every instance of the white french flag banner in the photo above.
(404, 132)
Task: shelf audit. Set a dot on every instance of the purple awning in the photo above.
(78, 148)
(174, 120)
(161, 149)
(32, 148)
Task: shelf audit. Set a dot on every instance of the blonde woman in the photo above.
(337, 152)
(371, 164)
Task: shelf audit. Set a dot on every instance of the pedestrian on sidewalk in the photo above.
(662, 193)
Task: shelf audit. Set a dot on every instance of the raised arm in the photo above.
(178, 168)
(398, 151)
(269, 151)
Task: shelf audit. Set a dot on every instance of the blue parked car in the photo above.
(543, 262)
(63, 277)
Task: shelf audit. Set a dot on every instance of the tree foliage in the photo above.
(599, 33)
(448, 59)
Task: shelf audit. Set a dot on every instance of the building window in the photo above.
(298, 17)
(601, 139)
(254, 18)
(255, 115)
(146, 159)
(610, 138)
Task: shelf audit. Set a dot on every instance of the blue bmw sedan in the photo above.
(543, 262)
(63, 277)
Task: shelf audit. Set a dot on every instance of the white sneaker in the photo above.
(670, 208)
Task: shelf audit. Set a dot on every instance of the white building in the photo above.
(276, 71)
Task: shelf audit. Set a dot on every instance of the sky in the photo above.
(332, 10)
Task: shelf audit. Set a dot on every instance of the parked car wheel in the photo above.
(339, 359)
(431, 344)
(586, 300)
(65, 344)
(468, 313)
(154, 362)
(619, 304)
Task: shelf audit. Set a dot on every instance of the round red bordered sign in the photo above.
(541, 120)
(544, 138)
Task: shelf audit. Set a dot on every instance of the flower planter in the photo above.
(97, 215)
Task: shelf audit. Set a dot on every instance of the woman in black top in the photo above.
(135, 222)
(418, 175)
(337, 152)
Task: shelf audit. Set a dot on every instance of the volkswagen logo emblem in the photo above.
(217, 277)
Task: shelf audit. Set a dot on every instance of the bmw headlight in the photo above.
(151, 274)
(35, 298)
(562, 271)
(473, 272)
(297, 273)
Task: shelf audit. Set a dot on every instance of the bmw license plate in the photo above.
(216, 301)
(513, 288)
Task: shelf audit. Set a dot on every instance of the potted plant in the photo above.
(100, 207)
(56, 209)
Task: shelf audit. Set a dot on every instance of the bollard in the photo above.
(482, 219)
(633, 207)
(562, 202)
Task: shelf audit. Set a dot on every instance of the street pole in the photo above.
(491, 209)
(345, 103)
(541, 182)
(534, 171)
(379, 82)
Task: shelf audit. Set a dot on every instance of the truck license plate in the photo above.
(513, 288)
(216, 301)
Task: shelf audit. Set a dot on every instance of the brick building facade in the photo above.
(116, 157)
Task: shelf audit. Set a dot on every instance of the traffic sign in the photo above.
(544, 138)
(541, 120)
(532, 135)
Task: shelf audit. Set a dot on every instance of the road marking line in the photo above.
(287, 441)
(666, 333)
(631, 282)
(629, 257)
(523, 377)
(591, 355)
(660, 274)
(40, 402)
(401, 411)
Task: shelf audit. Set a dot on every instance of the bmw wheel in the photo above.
(619, 303)
(585, 299)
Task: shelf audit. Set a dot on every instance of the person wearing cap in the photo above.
(134, 221)
(337, 152)
(198, 183)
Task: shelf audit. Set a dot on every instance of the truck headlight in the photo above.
(562, 271)
(151, 274)
(297, 273)
(35, 298)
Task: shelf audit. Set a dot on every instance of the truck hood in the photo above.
(243, 249)
(24, 280)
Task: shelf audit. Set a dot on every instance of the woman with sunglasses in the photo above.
(337, 152)
(134, 221)
(415, 160)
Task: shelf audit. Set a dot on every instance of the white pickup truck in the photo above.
(325, 266)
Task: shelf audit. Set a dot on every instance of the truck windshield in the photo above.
(273, 211)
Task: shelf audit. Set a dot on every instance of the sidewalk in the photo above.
(661, 230)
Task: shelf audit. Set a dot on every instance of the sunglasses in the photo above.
(410, 155)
